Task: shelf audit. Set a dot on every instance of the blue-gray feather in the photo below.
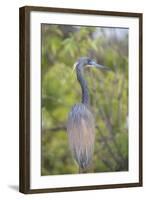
(83, 83)
(80, 125)
(81, 132)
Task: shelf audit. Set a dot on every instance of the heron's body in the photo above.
(81, 134)
(80, 125)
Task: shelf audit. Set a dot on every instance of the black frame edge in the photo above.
(141, 99)
(83, 188)
(24, 101)
(81, 11)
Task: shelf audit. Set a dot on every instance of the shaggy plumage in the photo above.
(81, 132)
(80, 125)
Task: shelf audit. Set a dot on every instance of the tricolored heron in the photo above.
(80, 124)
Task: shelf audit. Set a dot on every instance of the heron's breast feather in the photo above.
(81, 129)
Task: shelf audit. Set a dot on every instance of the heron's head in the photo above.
(88, 62)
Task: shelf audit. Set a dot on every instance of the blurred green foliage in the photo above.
(62, 45)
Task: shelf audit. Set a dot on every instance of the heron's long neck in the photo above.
(83, 83)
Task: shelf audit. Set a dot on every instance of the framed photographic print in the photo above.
(80, 99)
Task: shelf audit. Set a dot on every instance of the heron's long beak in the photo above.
(94, 64)
(101, 67)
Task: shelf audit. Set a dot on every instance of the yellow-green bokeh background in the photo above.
(61, 46)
